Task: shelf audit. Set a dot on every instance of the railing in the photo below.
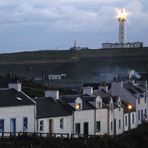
(81, 135)
(44, 135)
(30, 134)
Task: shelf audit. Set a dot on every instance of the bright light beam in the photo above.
(122, 14)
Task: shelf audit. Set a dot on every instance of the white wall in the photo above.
(52, 93)
(126, 125)
(116, 114)
(16, 86)
(141, 106)
(67, 128)
(83, 116)
(102, 116)
(88, 90)
(133, 124)
(19, 113)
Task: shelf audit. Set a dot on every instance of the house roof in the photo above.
(125, 106)
(104, 95)
(11, 97)
(134, 89)
(85, 100)
(48, 107)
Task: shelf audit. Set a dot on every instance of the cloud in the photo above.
(89, 17)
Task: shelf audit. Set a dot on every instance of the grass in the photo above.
(80, 66)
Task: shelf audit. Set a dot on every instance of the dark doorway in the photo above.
(13, 126)
(114, 126)
(50, 125)
(86, 128)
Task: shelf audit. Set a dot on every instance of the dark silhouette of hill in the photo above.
(83, 65)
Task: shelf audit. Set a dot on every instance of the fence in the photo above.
(44, 135)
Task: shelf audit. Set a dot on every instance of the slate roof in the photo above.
(134, 89)
(104, 95)
(48, 107)
(85, 100)
(11, 97)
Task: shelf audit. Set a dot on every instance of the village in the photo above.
(100, 109)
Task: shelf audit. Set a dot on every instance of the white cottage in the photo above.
(52, 115)
(134, 93)
(17, 110)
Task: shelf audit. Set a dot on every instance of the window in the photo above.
(78, 106)
(133, 118)
(138, 114)
(25, 123)
(61, 123)
(98, 126)
(99, 105)
(145, 98)
(125, 120)
(119, 124)
(142, 115)
(41, 125)
(111, 126)
(77, 128)
(145, 112)
(1, 125)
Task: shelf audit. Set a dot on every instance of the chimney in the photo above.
(88, 90)
(17, 86)
(52, 93)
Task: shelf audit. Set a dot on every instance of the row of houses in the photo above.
(110, 109)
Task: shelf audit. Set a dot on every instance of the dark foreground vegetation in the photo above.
(137, 138)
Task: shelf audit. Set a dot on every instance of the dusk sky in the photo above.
(54, 24)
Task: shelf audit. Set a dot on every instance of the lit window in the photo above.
(41, 125)
(25, 123)
(78, 106)
(77, 128)
(61, 123)
(98, 126)
(1, 125)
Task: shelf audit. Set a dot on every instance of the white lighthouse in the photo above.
(122, 43)
(122, 17)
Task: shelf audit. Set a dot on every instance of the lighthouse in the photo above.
(122, 18)
(122, 43)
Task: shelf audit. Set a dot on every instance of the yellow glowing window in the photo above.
(78, 106)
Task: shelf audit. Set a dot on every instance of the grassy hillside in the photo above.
(80, 66)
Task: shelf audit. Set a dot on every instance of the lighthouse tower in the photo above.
(122, 17)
